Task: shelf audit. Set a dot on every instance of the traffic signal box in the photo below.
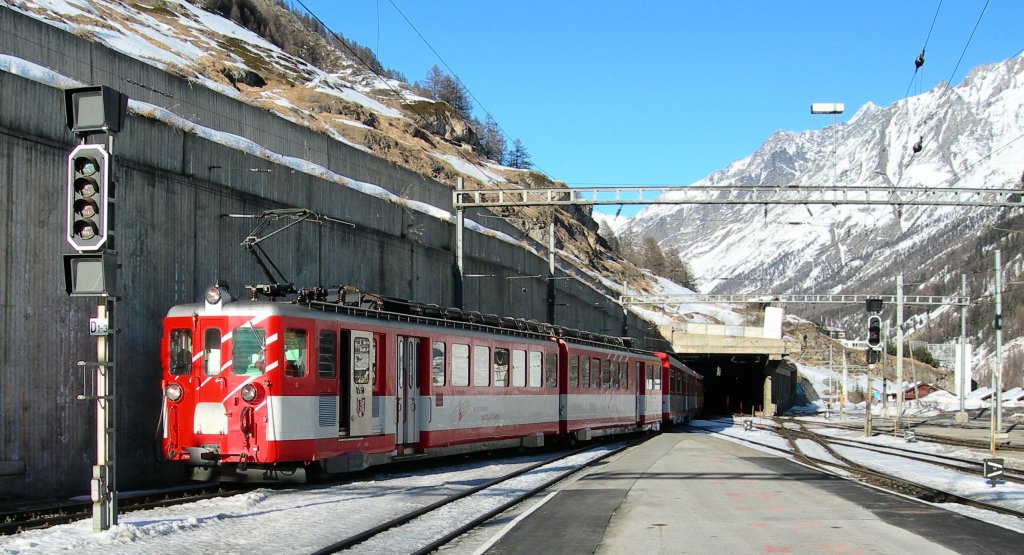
(88, 197)
(874, 338)
(874, 331)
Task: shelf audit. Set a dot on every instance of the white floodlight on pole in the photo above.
(833, 109)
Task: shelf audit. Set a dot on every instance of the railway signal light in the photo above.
(88, 194)
(874, 331)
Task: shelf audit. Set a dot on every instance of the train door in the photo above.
(565, 381)
(356, 391)
(641, 396)
(213, 360)
(407, 391)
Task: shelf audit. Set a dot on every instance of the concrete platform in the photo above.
(691, 493)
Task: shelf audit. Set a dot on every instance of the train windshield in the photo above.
(249, 351)
(181, 351)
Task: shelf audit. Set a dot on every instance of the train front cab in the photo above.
(262, 396)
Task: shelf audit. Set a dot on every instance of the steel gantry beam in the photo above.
(787, 298)
(855, 195)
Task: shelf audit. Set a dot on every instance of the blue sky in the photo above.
(666, 92)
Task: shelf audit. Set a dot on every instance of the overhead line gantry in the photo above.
(738, 195)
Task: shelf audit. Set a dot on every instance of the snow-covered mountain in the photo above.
(970, 136)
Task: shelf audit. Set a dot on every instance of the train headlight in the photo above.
(173, 392)
(213, 295)
(252, 393)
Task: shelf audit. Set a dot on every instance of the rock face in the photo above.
(442, 121)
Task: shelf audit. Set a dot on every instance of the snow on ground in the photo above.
(255, 522)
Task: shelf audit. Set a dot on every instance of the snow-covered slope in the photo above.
(971, 136)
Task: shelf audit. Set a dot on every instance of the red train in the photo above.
(262, 390)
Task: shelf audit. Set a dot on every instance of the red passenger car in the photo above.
(683, 398)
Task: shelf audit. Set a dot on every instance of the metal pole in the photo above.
(842, 404)
(964, 382)
(104, 476)
(460, 221)
(868, 403)
(104, 483)
(831, 391)
(551, 269)
(899, 350)
(998, 325)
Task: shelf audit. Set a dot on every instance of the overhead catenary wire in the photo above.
(969, 39)
(919, 61)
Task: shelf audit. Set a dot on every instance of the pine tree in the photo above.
(518, 157)
(434, 82)
(653, 258)
(492, 142)
(442, 87)
(677, 270)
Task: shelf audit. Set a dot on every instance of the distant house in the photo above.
(915, 391)
(919, 390)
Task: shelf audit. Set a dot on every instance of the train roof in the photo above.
(402, 312)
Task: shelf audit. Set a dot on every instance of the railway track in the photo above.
(20, 519)
(885, 426)
(441, 522)
(974, 467)
(884, 480)
(843, 465)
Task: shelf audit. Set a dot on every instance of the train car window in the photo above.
(595, 373)
(211, 352)
(248, 351)
(180, 351)
(574, 371)
(624, 375)
(551, 377)
(518, 368)
(501, 367)
(362, 360)
(481, 365)
(615, 374)
(328, 354)
(295, 350)
(437, 364)
(606, 373)
(657, 381)
(460, 364)
(535, 369)
(585, 374)
(649, 385)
